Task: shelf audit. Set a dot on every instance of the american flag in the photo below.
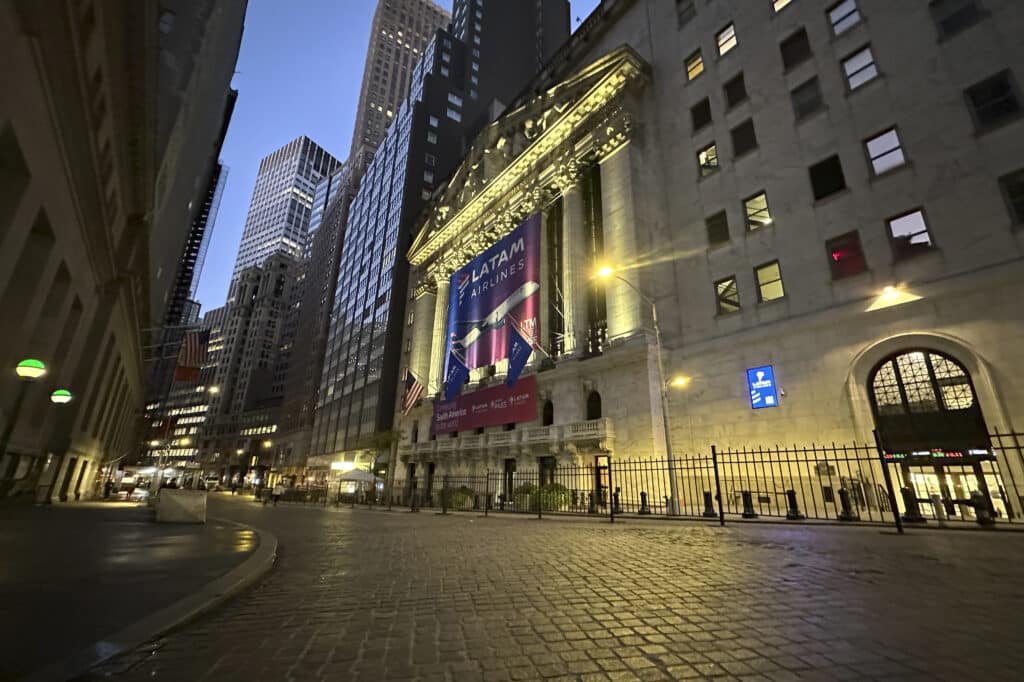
(413, 392)
(192, 355)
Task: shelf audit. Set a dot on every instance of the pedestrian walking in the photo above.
(277, 492)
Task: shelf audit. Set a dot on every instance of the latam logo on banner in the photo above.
(500, 285)
(492, 406)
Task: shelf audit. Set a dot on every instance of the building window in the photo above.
(718, 228)
(735, 90)
(807, 99)
(453, 115)
(694, 66)
(843, 16)
(1012, 185)
(795, 49)
(827, 177)
(743, 138)
(885, 151)
(909, 235)
(454, 99)
(428, 176)
(845, 255)
(430, 160)
(756, 210)
(432, 137)
(777, 5)
(444, 71)
(953, 16)
(860, 68)
(707, 159)
(685, 12)
(993, 101)
(432, 121)
(727, 296)
(769, 282)
(726, 39)
(700, 114)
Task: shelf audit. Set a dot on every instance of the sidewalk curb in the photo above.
(169, 617)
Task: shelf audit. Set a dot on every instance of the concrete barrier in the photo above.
(181, 506)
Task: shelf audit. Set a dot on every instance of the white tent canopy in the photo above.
(358, 476)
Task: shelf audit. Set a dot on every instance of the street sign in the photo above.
(763, 393)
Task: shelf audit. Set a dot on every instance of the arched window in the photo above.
(920, 381)
(594, 405)
(548, 417)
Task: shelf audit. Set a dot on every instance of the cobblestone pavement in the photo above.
(371, 595)
(73, 574)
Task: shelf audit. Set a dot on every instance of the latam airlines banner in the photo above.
(500, 285)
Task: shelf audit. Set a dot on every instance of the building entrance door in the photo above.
(932, 431)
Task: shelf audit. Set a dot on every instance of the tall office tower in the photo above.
(282, 202)
(328, 188)
(449, 100)
(400, 32)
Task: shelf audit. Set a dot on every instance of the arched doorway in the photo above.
(594, 405)
(930, 423)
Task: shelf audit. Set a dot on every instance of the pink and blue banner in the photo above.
(499, 285)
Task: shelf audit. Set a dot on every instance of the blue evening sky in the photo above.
(298, 73)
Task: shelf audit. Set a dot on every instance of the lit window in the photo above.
(444, 71)
(726, 39)
(845, 256)
(885, 152)
(806, 98)
(454, 99)
(860, 68)
(769, 282)
(744, 138)
(827, 177)
(735, 90)
(718, 228)
(993, 101)
(428, 176)
(756, 209)
(843, 16)
(694, 66)
(795, 49)
(453, 115)
(1012, 185)
(953, 16)
(700, 114)
(432, 121)
(432, 137)
(777, 5)
(727, 296)
(909, 235)
(707, 159)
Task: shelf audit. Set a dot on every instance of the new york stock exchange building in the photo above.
(732, 296)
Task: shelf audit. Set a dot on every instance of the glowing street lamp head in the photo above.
(214, 390)
(605, 271)
(185, 442)
(681, 381)
(267, 443)
(61, 396)
(239, 451)
(30, 369)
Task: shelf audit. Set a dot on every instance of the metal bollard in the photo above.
(748, 505)
(982, 515)
(846, 513)
(644, 507)
(709, 505)
(793, 509)
(591, 503)
(444, 495)
(616, 507)
(913, 512)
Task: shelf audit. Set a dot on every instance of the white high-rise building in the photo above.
(282, 202)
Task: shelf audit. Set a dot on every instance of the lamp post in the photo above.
(28, 371)
(606, 272)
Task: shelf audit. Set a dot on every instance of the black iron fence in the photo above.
(822, 482)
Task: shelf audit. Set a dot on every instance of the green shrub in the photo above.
(552, 497)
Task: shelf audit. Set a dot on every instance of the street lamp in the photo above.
(28, 370)
(608, 272)
(61, 396)
(213, 390)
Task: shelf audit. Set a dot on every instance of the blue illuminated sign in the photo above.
(761, 381)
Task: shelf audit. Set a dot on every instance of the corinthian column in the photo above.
(424, 305)
(439, 339)
(574, 269)
(619, 213)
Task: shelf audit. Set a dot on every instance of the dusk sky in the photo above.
(298, 73)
